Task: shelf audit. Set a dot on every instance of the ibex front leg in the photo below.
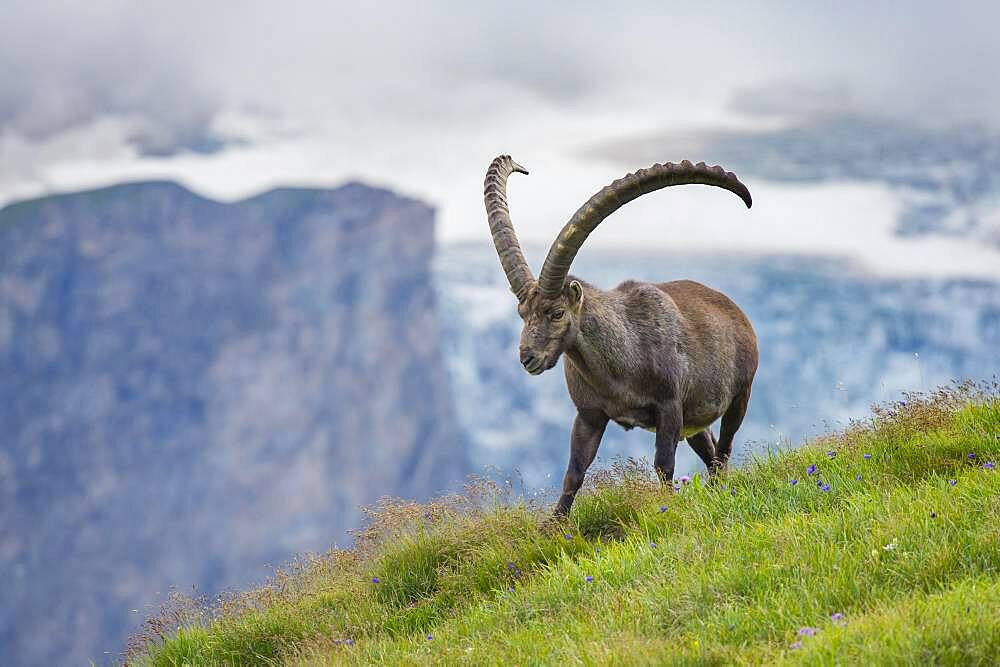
(588, 429)
(668, 432)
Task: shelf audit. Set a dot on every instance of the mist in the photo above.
(231, 103)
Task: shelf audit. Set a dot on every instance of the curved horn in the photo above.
(616, 195)
(495, 196)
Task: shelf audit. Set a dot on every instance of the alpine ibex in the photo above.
(668, 357)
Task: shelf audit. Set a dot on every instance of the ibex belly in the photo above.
(630, 421)
(629, 418)
(699, 422)
(695, 421)
(702, 409)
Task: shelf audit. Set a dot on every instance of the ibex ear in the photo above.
(575, 293)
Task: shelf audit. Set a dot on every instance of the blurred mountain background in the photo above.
(204, 372)
(191, 390)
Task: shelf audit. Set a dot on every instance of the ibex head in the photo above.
(550, 307)
(550, 326)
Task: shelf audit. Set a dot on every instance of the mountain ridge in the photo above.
(15, 210)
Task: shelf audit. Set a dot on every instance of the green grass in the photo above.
(738, 570)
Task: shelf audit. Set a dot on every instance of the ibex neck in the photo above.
(603, 336)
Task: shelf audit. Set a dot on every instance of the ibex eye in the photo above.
(557, 314)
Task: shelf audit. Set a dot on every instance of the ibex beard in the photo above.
(668, 357)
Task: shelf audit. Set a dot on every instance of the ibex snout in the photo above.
(530, 360)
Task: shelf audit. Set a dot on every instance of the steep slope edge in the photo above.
(877, 545)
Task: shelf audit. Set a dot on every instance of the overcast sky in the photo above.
(233, 99)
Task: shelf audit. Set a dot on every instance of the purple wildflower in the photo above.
(517, 572)
(663, 508)
(684, 479)
(511, 566)
(952, 482)
(836, 617)
(793, 482)
(808, 632)
(510, 588)
(867, 456)
(971, 456)
(588, 579)
(652, 544)
(349, 642)
(732, 491)
(430, 637)
(858, 478)
(568, 536)
(825, 487)
(375, 580)
(831, 453)
(989, 465)
(811, 469)
(795, 646)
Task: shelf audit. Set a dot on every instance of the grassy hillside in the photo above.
(879, 544)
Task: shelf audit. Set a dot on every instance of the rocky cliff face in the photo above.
(190, 390)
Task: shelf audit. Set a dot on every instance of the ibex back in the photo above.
(668, 357)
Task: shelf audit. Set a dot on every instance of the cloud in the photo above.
(796, 99)
(366, 90)
(176, 65)
(76, 63)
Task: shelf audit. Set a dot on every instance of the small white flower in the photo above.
(891, 546)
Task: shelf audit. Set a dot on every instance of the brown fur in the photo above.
(670, 357)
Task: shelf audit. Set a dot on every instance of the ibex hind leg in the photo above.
(731, 422)
(704, 446)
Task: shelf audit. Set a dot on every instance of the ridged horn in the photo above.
(495, 196)
(616, 195)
